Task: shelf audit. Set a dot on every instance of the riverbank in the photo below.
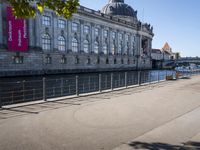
(107, 120)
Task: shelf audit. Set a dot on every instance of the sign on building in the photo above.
(17, 32)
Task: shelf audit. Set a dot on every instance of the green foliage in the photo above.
(25, 9)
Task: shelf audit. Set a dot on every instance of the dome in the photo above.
(119, 8)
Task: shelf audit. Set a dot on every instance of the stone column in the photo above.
(31, 31)
(109, 40)
(55, 33)
(38, 33)
(101, 39)
(92, 36)
(138, 49)
(81, 35)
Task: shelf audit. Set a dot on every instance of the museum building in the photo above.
(91, 41)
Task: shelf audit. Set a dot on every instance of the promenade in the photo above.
(157, 116)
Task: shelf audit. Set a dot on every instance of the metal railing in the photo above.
(47, 88)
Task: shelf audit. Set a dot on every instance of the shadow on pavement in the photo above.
(165, 146)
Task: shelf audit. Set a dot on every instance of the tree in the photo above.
(26, 9)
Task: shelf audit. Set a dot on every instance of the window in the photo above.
(127, 38)
(96, 31)
(115, 61)
(98, 60)
(63, 60)
(61, 24)
(120, 37)
(96, 47)
(18, 59)
(120, 48)
(61, 43)
(46, 42)
(48, 59)
(105, 48)
(74, 27)
(105, 33)
(113, 48)
(77, 60)
(86, 46)
(113, 35)
(88, 61)
(86, 29)
(74, 45)
(46, 20)
(107, 61)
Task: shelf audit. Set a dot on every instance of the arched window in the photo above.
(105, 48)
(86, 46)
(74, 45)
(46, 42)
(61, 43)
(96, 47)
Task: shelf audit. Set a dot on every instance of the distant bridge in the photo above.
(184, 61)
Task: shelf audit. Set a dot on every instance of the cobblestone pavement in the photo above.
(158, 116)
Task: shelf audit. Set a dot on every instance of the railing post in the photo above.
(139, 78)
(23, 89)
(126, 80)
(149, 77)
(44, 89)
(100, 83)
(33, 94)
(158, 76)
(62, 84)
(111, 81)
(77, 91)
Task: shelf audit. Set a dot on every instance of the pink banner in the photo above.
(17, 33)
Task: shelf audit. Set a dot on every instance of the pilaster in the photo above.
(69, 35)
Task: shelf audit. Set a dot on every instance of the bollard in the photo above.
(77, 91)
(111, 81)
(100, 90)
(44, 89)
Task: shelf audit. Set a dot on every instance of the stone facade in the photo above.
(111, 44)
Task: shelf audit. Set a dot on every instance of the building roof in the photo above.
(156, 51)
(119, 8)
(166, 47)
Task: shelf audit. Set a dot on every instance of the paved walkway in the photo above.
(163, 116)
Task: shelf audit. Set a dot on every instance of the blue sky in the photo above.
(175, 21)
